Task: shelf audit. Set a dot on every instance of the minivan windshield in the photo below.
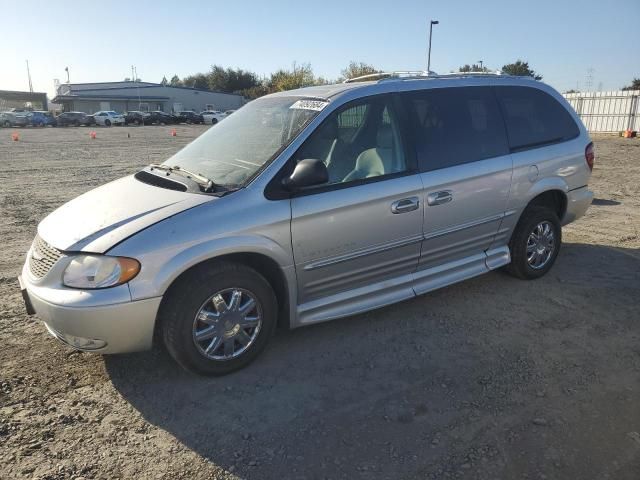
(233, 150)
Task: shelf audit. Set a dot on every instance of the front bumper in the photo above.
(578, 202)
(111, 328)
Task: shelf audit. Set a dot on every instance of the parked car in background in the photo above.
(74, 119)
(189, 117)
(42, 119)
(136, 117)
(161, 117)
(212, 116)
(108, 118)
(12, 119)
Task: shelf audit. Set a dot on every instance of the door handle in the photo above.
(405, 205)
(438, 198)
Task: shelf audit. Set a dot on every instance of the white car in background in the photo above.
(108, 117)
(212, 116)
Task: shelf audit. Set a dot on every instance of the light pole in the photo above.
(433, 22)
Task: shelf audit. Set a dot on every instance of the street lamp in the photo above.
(433, 22)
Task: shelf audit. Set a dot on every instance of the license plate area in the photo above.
(25, 297)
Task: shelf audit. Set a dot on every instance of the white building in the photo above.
(127, 95)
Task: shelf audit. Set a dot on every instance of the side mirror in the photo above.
(308, 172)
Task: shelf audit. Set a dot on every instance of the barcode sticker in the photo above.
(316, 105)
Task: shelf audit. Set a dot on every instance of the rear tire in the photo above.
(200, 291)
(535, 243)
(107, 123)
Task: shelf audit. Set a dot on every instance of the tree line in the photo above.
(250, 85)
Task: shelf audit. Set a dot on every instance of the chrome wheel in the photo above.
(541, 244)
(227, 324)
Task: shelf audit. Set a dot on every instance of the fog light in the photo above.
(79, 343)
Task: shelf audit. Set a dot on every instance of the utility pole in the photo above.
(134, 72)
(480, 62)
(433, 22)
(29, 77)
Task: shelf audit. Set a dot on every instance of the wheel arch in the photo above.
(549, 192)
(281, 279)
(553, 199)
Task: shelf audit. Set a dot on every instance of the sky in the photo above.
(99, 41)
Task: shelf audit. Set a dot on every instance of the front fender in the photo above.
(217, 248)
(161, 268)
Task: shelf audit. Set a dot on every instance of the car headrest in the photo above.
(384, 138)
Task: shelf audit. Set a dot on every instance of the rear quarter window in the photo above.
(534, 118)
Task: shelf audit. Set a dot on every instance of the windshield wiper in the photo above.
(201, 180)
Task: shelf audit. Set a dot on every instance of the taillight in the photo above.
(590, 155)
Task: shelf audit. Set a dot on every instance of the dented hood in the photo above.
(103, 217)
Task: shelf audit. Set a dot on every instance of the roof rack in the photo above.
(386, 75)
(408, 75)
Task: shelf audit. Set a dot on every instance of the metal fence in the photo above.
(607, 111)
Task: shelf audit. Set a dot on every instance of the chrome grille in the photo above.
(42, 257)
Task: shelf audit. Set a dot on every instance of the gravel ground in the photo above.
(491, 378)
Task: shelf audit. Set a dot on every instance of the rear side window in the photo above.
(534, 118)
(453, 126)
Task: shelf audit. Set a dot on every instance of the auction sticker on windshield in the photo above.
(316, 105)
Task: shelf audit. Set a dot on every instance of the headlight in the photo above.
(99, 271)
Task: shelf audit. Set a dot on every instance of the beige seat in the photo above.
(327, 146)
(375, 161)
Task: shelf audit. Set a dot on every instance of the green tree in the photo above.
(175, 81)
(299, 76)
(254, 92)
(472, 68)
(358, 69)
(520, 69)
(635, 85)
(164, 81)
(198, 80)
(231, 80)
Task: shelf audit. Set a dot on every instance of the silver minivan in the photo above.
(311, 205)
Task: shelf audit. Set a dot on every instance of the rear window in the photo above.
(534, 118)
(453, 126)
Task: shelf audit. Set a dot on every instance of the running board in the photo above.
(400, 288)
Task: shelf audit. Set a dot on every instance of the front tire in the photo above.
(218, 318)
(535, 243)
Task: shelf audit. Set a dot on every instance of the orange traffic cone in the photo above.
(15, 137)
(92, 135)
(173, 132)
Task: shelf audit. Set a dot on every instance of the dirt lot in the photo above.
(491, 378)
